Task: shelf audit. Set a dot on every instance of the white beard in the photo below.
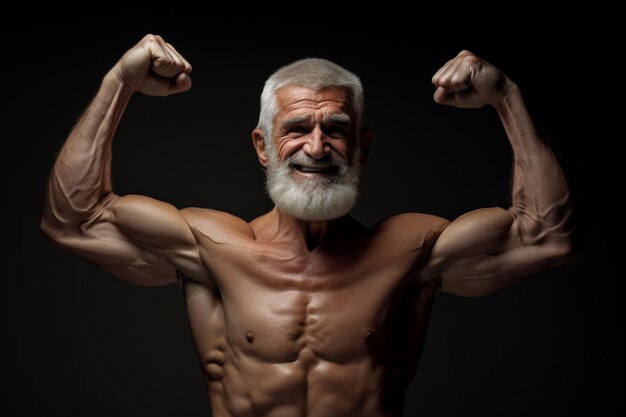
(322, 197)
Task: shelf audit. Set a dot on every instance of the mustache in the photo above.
(333, 159)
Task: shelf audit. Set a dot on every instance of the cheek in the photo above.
(286, 148)
(343, 148)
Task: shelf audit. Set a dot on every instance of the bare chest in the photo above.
(283, 326)
(334, 303)
(332, 309)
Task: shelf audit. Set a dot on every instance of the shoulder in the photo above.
(219, 226)
(415, 229)
(413, 222)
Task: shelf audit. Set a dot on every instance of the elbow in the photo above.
(58, 225)
(55, 231)
(559, 238)
(571, 241)
(46, 228)
(566, 252)
(50, 230)
(567, 247)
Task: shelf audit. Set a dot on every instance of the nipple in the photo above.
(368, 335)
(250, 336)
(294, 334)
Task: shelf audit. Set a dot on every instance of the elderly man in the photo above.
(304, 311)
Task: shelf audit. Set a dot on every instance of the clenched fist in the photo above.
(153, 67)
(470, 82)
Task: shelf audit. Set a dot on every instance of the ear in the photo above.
(365, 141)
(258, 141)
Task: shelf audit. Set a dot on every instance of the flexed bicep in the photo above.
(138, 239)
(489, 249)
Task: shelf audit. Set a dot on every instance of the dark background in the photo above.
(78, 343)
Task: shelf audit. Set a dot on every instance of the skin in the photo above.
(295, 318)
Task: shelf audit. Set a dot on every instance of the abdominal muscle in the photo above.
(309, 386)
(299, 354)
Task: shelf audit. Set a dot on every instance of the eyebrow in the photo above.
(294, 121)
(341, 119)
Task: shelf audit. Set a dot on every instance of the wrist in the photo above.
(113, 79)
(113, 91)
(510, 94)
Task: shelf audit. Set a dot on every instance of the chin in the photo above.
(326, 202)
(313, 192)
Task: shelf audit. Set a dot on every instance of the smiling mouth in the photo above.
(327, 170)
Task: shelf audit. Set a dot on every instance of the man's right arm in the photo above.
(136, 238)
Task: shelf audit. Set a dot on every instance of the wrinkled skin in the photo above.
(295, 318)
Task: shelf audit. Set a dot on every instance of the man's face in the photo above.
(312, 162)
(316, 122)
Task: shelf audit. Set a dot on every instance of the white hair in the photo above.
(313, 198)
(315, 73)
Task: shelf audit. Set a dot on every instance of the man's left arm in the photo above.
(489, 249)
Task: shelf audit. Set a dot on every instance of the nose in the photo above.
(316, 146)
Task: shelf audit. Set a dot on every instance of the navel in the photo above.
(250, 336)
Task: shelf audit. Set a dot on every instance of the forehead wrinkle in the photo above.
(296, 96)
(307, 105)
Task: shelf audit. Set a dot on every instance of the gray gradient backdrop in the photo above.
(77, 342)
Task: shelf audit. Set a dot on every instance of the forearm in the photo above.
(540, 193)
(81, 178)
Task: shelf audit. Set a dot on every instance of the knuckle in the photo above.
(150, 38)
(457, 81)
(471, 60)
(445, 82)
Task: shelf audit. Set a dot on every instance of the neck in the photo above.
(310, 234)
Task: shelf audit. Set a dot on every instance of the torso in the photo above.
(286, 331)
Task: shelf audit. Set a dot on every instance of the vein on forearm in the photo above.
(541, 198)
(81, 176)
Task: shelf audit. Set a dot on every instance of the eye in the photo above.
(336, 132)
(298, 129)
